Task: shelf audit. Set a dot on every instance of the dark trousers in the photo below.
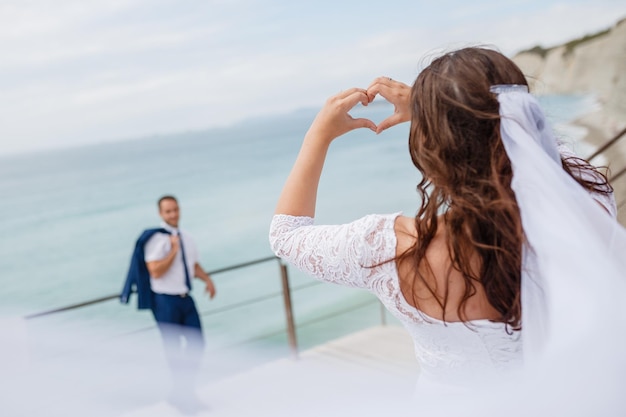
(183, 342)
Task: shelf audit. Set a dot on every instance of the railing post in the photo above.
(383, 315)
(291, 327)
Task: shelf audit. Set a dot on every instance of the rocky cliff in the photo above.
(595, 64)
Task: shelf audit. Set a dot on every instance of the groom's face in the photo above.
(169, 212)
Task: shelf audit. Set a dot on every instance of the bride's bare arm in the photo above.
(300, 190)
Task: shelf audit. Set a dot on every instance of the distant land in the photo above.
(594, 64)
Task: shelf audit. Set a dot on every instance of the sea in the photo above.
(69, 219)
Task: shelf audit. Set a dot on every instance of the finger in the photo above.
(389, 122)
(383, 89)
(362, 122)
(376, 85)
(357, 96)
(349, 92)
(381, 81)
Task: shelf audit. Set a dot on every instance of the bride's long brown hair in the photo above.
(466, 179)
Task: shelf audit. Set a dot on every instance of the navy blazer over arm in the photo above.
(138, 278)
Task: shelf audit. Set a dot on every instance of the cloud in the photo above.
(75, 72)
(20, 20)
(552, 25)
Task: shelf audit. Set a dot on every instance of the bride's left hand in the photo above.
(334, 119)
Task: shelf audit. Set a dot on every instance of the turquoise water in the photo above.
(69, 218)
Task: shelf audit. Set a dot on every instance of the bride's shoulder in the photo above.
(405, 231)
(405, 224)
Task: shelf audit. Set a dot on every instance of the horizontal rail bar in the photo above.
(232, 306)
(116, 296)
(618, 175)
(313, 321)
(243, 265)
(256, 300)
(72, 307)
(607, 145)
(338, 312)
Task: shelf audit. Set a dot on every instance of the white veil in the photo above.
(574, 266)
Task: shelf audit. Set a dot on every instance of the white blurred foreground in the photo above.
(368, 373)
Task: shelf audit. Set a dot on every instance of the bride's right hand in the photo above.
(396, 93)
(333, 120)
(299, 194)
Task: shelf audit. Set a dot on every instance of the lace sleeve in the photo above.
(342, 254)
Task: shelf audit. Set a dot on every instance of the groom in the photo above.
(163, 284)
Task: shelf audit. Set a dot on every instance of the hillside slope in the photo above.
(594, 64)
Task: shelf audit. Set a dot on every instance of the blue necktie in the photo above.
(182, 251)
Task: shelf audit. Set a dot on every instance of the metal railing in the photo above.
(117, 295)
(285, 292)
(612, 177)
(610, 143)
(607, 145)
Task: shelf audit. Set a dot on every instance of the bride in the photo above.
(513, 265)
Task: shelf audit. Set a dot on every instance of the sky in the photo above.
(76, 72)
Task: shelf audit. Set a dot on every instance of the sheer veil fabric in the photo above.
(573, 281)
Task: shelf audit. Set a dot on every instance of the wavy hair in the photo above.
(465, 189)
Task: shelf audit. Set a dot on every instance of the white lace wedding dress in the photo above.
(450, 354)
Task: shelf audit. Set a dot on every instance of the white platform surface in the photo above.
(347, 376)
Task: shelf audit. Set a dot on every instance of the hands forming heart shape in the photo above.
(334, 119)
